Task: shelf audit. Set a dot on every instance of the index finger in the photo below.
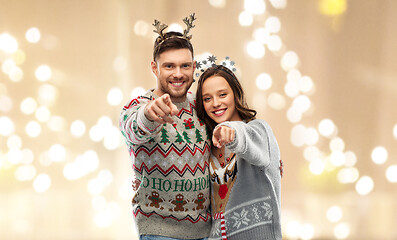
(167, 100)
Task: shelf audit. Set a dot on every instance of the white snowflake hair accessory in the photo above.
(210, 61)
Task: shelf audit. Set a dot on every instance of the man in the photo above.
(169, 146)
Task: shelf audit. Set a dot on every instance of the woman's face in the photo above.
(218, 100)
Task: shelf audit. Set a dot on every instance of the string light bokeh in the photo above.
(322, 73)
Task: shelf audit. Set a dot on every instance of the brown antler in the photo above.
(189, 23)
(159, 28)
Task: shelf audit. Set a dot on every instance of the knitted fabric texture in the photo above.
(246, 190)
(170, 170)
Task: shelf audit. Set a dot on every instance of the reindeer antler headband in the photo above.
(161, 27)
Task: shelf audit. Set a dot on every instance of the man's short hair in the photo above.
(173, 40)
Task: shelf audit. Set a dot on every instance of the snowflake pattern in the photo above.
(245, 216)
(240, 218)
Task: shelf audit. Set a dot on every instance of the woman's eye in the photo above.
(206, 99)
(223, 95)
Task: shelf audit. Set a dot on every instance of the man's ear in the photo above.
(194, 65)
(154, 67)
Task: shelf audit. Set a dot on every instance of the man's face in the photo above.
(174, 71)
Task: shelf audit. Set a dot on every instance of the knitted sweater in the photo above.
(171, 175)
(247, 189)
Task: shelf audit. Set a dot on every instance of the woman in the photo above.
(245, 163)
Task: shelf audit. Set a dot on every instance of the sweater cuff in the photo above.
(146, 125)
(233, 144)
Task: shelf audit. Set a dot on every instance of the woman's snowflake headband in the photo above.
(203, 65)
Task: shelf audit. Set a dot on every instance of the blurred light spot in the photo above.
(33, 129)
(42, 183)
(217, 3)
(56, 123)
(77, 128)
(8, 43)
(98, 202)
(28, 105)
(115, 96)
(141, 28)
(395, 131)
(14, 156)
(306, 84)
(294, 115)
(103, 219)
(274, 43)
(43, 114)
(138, 91)
(81, 166)
(291, 89)
(351, 159)
(302, 102)
(332, 7)
(334, 214)
(279, 4)
(264, 81)
(306, 231)
(7, 126)
(298, 135)
(33, 35)
(289, 60)
(175, 27)
(276, 101)
(292, 229)
(337, 144)
(95, 187)
(5, 103)
(96, 134)
(273, 24)
(27, 156)
(104, 122)
(364, 185)
(44, 159)
(119, 64)
(341, 231)
(125, 190)
(379, 155)
(255, 7)
(25, 173)
(317, 166)
(43, 73)
(245, 19)
(19, 57)
(47, 94)
(8, 65)
(57, 153)
(14, 141)
(326, 128)
(105, 177)
(112, 138)
(15, 74)
(261, 35)
(337, 158)
(311, 152)
(391, 173)
(255, 49)
(348, 175)
(311, 136)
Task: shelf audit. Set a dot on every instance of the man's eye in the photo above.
(186, 66)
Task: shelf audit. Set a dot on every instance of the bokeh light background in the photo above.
(321, 72)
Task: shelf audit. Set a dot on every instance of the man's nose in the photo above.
(178, 73)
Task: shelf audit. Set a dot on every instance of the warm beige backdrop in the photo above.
(63, 184)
